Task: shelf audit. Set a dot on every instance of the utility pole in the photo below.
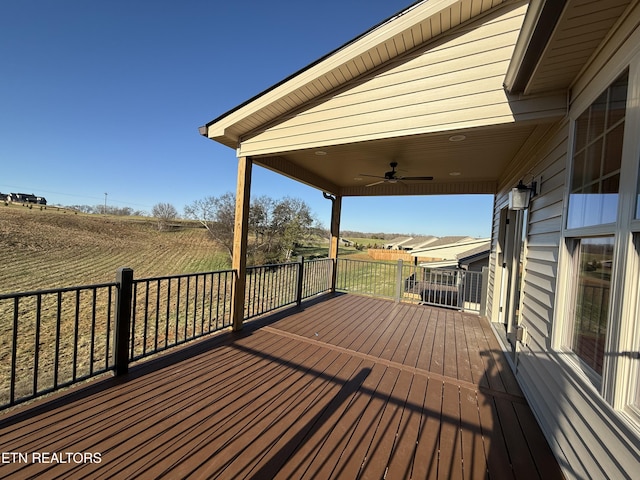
(105, 203)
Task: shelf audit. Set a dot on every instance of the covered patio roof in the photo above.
(426, 89)
(450, 92)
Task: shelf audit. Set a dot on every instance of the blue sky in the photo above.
(107, 96)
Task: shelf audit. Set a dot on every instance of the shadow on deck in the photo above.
(344, 387)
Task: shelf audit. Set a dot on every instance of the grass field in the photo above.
(53, 248)
(58, 248)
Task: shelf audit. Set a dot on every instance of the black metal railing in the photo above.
(53, 338)
(270, 287)
(453, 288)
(368, 278)
(168, 311)
(317, 275)
(50, 339)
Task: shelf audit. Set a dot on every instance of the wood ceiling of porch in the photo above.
(473, 165)
(346, 387)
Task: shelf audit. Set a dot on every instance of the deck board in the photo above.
(343, 387)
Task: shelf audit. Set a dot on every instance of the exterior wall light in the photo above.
(521, 194)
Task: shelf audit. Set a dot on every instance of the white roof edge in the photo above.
(377, 35)
(439, 263)
(462, 243)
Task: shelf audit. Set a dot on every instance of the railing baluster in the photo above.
(134, 311)
(186, 313)
(178, 311)
(195, 308)
(14, 350)
(36, 354)
(108, 332)
(76, 333)
(218, 300)
(56, 357)
(93, 330)
(155, 342)
(210, 301)
(167, 314)
(146, 318)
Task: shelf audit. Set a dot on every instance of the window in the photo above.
(594, 260)
(597, 158)
(593, 203)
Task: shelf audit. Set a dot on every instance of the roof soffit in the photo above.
(558, 41)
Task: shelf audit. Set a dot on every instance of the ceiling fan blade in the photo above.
(372, 176)
(375, 183)
(416, 178)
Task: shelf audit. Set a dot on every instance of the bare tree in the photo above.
(278, 226)
(164, 213)
(217, 215)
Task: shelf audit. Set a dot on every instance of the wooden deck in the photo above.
(347, 387)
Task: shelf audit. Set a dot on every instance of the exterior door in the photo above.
(511, 250)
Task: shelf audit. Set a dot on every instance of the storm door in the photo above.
(512, 236)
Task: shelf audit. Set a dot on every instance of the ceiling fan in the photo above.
(393, 177)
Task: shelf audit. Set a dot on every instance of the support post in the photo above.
(336, 211)
(240, 237)
(124, 278)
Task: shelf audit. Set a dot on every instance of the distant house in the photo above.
(26, 198)
(476, 259)
(449, 251)
(396, 243)
(418, 242)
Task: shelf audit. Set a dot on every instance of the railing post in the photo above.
(333, 278)
(484, 291)
(399, 281)
(300, 281)
(460, 282)
(124, 277)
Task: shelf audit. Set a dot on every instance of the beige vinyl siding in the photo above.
(544, 225)
(416, 26)
(543, 242)
(454, 83)
(577, 421)
(589, 437)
